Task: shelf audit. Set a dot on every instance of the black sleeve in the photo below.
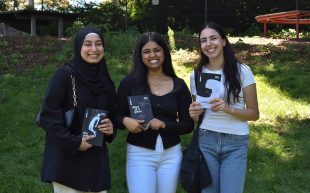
(122, 109)
(52, 114)
(185, 124)
(111, 115)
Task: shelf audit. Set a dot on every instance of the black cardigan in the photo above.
(62, 162)
(171, 108)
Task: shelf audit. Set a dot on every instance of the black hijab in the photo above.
(95, 76)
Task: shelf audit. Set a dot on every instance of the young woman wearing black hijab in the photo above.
(70, 162)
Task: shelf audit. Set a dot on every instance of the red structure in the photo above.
(297, 17)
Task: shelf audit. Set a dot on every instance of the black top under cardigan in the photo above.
(171, 108)
(63, 162)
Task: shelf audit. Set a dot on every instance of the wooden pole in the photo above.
(33, 26)
(297, 27)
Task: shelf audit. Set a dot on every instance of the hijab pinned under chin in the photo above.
(95, 76)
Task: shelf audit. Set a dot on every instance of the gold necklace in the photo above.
(152, 85)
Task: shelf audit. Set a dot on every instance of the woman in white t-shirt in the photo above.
(224, 131)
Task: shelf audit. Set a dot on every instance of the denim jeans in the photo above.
(153, 171)
(226, 155)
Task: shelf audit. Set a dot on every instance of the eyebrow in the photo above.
(205, 37)
(91, 41)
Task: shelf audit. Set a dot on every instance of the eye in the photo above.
(87, 44)
(157, 50)
(213, 38)
(145, 51)
(203, 40)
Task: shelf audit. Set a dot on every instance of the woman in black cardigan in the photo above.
(70, 162)
(154, 151)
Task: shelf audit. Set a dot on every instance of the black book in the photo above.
(140, 108)
(91, 120)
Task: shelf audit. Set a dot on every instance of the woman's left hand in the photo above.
(156, 124)
(106, 127)
(219, 105)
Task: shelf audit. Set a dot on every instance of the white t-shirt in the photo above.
(220, 121)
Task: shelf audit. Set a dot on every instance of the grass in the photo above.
(279, 141)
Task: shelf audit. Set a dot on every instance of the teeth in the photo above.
(153, 61)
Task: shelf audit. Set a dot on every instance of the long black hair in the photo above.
(139, 71)
(231, 64)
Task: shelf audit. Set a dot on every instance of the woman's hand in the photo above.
(133, 125)
(195, 110)
(156, 124)
(106, 127)
(84, 145)
(220, 105)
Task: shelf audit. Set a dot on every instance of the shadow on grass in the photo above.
(278, 157)
(285, 66)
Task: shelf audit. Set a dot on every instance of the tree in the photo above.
(59, 5)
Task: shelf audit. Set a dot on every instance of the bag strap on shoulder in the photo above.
(70, 70)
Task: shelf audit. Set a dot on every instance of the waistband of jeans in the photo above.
(221, 133)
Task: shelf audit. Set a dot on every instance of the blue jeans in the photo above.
(226, 155)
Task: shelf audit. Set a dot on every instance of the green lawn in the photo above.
(279, 152)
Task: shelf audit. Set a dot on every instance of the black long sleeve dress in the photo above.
(63, 163)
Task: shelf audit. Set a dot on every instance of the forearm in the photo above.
(249, 114)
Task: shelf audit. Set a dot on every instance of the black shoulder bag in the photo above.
(194, 174)
(68, 115)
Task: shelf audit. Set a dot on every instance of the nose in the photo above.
(93, 47)
(152, 54)
(208, 42)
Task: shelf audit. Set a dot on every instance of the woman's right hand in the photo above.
(195, 109)
(133, 125)
(84, 145)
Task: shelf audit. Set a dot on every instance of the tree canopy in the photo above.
(238, 15)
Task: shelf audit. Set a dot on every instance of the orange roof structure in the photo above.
(296, 17)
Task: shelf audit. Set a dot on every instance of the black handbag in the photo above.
(68, 115)
(194, 174)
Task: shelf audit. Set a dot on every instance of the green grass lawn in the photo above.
(279, 152)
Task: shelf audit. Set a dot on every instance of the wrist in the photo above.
(231, 110)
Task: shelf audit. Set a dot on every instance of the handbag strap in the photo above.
(68, 67)
(196, 133)
(73, 90)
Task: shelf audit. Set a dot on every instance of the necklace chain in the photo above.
(158, 84)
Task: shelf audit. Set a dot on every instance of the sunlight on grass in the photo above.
(271, 107)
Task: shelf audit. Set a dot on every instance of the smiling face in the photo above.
(92, 50)
(152, 55)
(212, 44)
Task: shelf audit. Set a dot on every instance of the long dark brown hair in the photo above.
(231, 64)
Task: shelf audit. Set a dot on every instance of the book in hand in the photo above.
(140, 108)
(208, 87)
(91, 120)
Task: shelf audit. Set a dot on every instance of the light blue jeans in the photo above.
(226, 155)
(153, 171)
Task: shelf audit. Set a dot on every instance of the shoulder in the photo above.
(180, 84)
(60, 75)
(246, 74)
(125, 84)
(245, 70)
(126, 80)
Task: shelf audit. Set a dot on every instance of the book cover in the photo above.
(208, 87)
(91, 120)
(140, 108)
